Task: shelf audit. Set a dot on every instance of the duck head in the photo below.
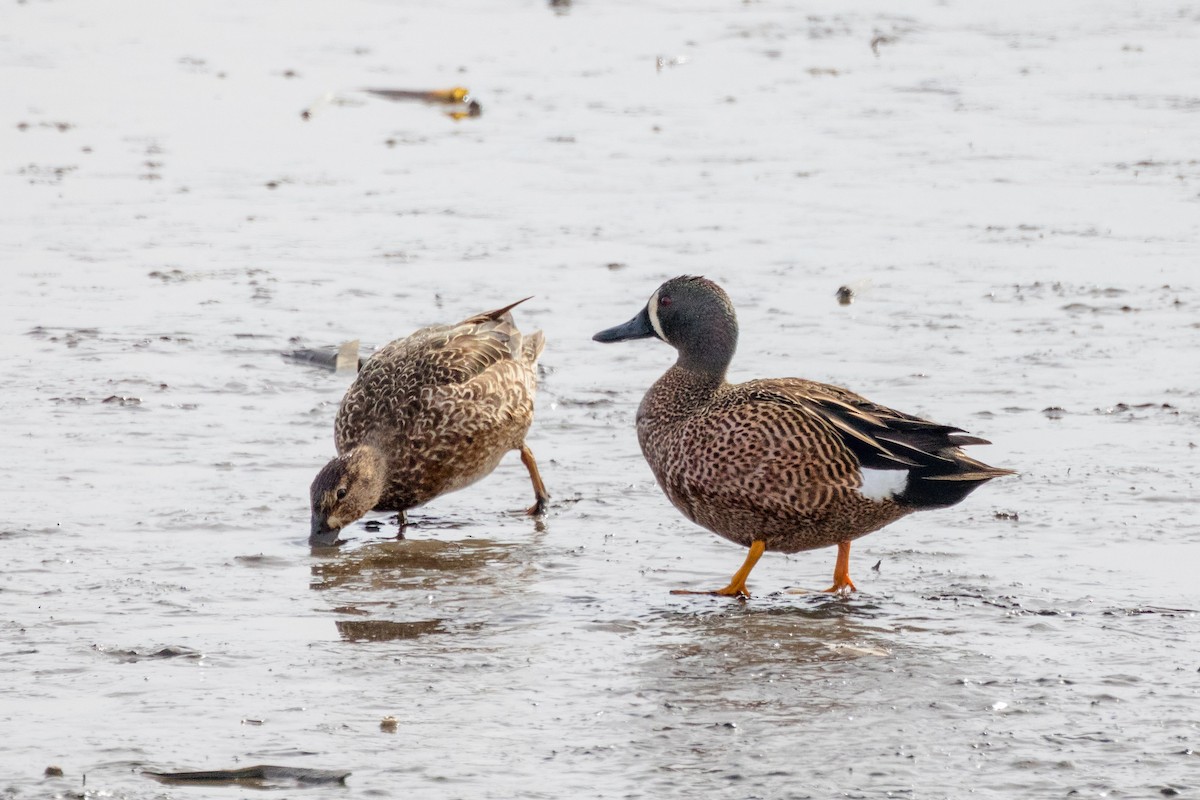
(345, 489)
(693, 315)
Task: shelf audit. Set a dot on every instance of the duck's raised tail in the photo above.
(499, 313)
(948, 481)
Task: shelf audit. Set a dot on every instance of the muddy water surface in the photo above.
(1013, 193)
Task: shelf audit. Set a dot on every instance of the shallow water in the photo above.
(1013, 193)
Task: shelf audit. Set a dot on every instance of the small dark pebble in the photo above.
(845, 295)
(54, 772)
(880, 39)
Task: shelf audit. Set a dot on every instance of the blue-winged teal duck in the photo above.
(430, 414)
(781, 464)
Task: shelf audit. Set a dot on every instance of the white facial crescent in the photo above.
(652, 307)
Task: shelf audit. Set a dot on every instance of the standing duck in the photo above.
(430, 414)
(781, 464)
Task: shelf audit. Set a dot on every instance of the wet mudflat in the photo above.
(1013, 194)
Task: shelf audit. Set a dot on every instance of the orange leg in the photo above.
(737, 584)
(841, 570)
(541, 496)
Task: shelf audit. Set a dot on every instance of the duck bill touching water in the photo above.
(430, 414)
(781, 464)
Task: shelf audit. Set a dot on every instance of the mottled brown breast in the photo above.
(747, 467)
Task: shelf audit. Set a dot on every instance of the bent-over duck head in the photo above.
(693, 315)
(345, 489)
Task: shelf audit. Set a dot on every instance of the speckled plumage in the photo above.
(780, 461)
(433, 413)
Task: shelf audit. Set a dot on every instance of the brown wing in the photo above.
(392, 385)
(883, 438)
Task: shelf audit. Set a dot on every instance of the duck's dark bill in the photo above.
(637, 328)
(322, 535)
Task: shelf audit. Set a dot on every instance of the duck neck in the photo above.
(708, 356)
(695, 385)
(677, 396)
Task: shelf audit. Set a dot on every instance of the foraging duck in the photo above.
(781, 464)
(430, 414)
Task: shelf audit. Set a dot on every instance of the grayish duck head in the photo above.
(693, 315)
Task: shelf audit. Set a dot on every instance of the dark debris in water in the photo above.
(169, 275)
(262, 776)
(1016, 607)
(1078, 308)
(1058, 412)
(47, 174)
(61, 127)
(133, 656)
(1087, 298)
(71, 337)
(1138, 611)
(325, 357)
(457, 100)
(1125, 408)
(1013, 606)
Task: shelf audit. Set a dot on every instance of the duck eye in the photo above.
(341, 493)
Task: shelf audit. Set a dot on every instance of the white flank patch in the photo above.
(883, 484)
(652, 307)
